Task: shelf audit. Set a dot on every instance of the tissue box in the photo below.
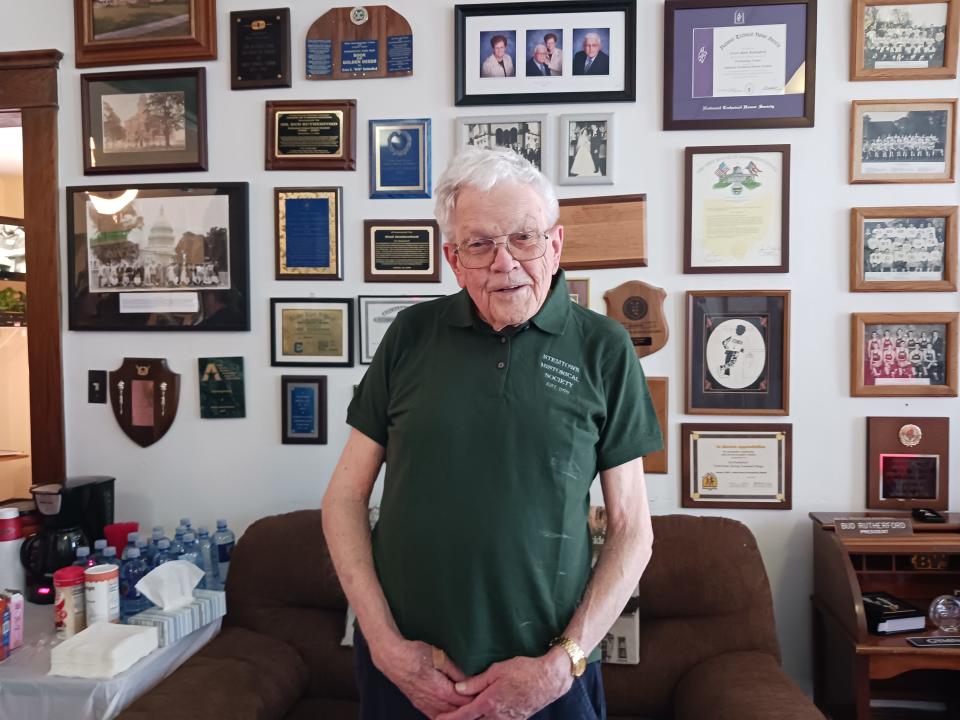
(102, 650)
(207, 606)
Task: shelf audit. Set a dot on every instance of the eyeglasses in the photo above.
(524, 245)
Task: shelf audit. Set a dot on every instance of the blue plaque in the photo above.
(359, 56)
(303, 410)
(307, 232)
(319, 57)
(400, 158)
(399, 53)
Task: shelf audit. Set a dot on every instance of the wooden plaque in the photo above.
(367, 41)
(908, 462)
(604, 232)
(659, 392)
(639, 308)
(144, 394)
(311, 135)
(259, 49)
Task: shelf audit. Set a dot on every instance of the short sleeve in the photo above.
(368, 410)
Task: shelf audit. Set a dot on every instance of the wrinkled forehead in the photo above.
(505, 208)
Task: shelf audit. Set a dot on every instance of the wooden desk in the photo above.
(851, 666)
(12, 455)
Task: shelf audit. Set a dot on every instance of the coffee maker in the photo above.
(74, 514)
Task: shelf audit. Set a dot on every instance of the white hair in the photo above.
(593, 35)
(539, 46)
(482, 169)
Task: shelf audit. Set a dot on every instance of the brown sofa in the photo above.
(708, 647)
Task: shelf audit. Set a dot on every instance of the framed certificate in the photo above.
(304, 409)
(400, 158)
(259, 49)
(311, 135)
(401, 251)
(733, 65)
(376, 313)
(309, 233)
(737, 209)
(908, 463)
(735, 465)
(311, 332)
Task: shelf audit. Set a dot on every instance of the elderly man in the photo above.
(538, 64)
(592, 60)
(494, 409)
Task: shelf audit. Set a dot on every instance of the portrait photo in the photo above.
(586, 149)
(591, 51)
(522, 134)
(498, 54)
(904, 36)
(545, 53)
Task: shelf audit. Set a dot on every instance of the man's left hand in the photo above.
(514, 689)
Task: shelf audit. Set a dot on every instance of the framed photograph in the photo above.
(376, 312)
(110, 32)
(738, 352)
(737, 209)
(526, 135)
(158, 257)
(579, 291)
(903, 141)
(260, 49)
(904, 39)
(736, 465)
(659, 387)
(304, 409)
(733, 66)
(400, 158)
(311, 332)
(545, 52)
(144, 121)
(311, 135)
(309, 233)
(903, 354)
(604, 232)
(908, 463)
(586, 149)
(13, 246)
(401, 251)
(903, 249)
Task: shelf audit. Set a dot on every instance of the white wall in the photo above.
(239, 469)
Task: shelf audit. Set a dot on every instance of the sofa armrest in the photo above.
(740, 686)
(240, 674)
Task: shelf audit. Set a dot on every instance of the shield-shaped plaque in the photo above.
(372, 41)
(144, 393)
(639, 308)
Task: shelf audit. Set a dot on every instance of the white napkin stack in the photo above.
(102, 650)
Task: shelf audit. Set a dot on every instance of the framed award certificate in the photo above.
(401, 251)
(309, 234)
(736, 465)
(376, 313)
(311, 135)
(304, 409)
(400, 158)
(311, 332)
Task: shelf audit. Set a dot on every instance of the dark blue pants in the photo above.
(380, 699)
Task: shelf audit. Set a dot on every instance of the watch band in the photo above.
(578, 660)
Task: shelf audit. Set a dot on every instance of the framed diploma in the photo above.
(401, 251)
(604, 232)
(400, 158)
(738, 352)
(733, 65)
(304, 409)
(311, 332)
(908, 462)
(311, 135)
(309, 234)
(746, 466)
(376, 313)
(901, 354)
(259, 49)
(737, 209)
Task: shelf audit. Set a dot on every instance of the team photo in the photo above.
(898, 354)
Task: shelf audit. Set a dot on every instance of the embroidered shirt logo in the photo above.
(558, 374)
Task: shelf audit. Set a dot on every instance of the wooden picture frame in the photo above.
(120, 42)
(888, 157)
(860, 48)
(657, 462)
(313, 248)
(690, 102)
(588, 144)
(303, 414)
(900, 451)
(738, 352)
(172, 100)
(387, 256)
(311, 332)
(620, 223)
(579, 291)
(260, 49)
(882, 366)
(311, 135)
(726, 179)
(901, 255)
(400, 158)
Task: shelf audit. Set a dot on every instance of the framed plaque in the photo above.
(309, 227)
(311, 135)
(401, 251)
(222, 393)
(604, 232)
(400, 158)
(659, 387)
(738, 352)
(733, 65)
(579, 291)
(311, 332)
(359, 42)
(526, 135)
(903, 249)
(144, 395)
(904, 354)
(908, 462)
(376, 313)
(734, 465)
(587, 149)
(259, 49)
(737, 209)
(304, 409)
(638, 306)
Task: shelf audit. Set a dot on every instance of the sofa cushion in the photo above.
(314, 708)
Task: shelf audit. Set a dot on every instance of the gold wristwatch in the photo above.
(578, 661)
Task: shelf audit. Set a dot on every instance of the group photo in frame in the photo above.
(400, 158)
(144, 121)
(904, 354)
(303, 409)
(375, 314)
(526, 135)
(311, 332)
(903, 141)
(311, 135)
(730, 65)
(401, 251)
(158, 257)
(587, 147)
(738, 352)
(545, 52)
(737, 209)
(904, 39)
(309, 233)
(903, 249)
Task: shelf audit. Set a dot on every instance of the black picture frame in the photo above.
(317, 433)
(222, 297)
(261, 39)
(301, 357)
(564, 87)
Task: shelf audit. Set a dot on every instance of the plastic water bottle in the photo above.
(163, 552)
(155, 537)
(191, 553)
(83, 557)
(176, 545)
(110, 556)
(187, 527)
(142, 545)
(132, 539)
(224, 539)
(98, 547)
(132, 601)
(208, 556)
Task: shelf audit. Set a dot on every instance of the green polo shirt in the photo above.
(492, 442)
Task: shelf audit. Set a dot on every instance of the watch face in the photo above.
(579, 667)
